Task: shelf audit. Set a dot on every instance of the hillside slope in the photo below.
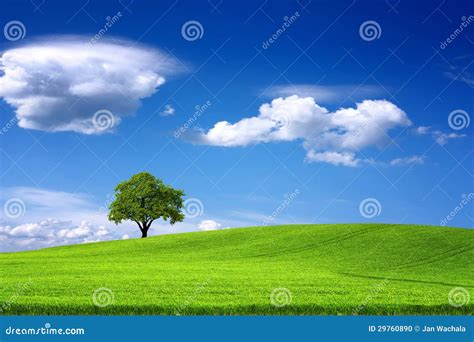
(295, 269)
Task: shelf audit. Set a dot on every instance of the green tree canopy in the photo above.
(144, 199)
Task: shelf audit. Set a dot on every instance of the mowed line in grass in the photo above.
(326, 269)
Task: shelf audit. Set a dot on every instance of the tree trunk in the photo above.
(144, 226)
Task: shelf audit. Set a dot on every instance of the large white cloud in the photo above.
(331, 137)
(58, 84)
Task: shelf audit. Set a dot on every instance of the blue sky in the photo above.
(312, 157)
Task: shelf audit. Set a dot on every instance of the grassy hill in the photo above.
(326, 269)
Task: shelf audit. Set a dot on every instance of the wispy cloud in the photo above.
(413, 160)
(45, 218)
(462, 69)
(40, 204)
(440, 137)
(334, 158)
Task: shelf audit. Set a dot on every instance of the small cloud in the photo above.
(441, 138)
(413, 160)
(125, 237)
(461, 70)
(422, 130)
(207, 225)
(334, 158)
(168, 110)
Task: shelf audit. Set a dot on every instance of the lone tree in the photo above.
(143, 199)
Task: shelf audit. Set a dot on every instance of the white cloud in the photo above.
(207, 225)
(327, 136)
(413, 160)
(40, 204)
(422, 130)
(46, 198)
(48, 233)
(461, 69)
(335, 158)
(168, 110)
(59, 83)
(441, 138)
(52, 218)
(325, 94)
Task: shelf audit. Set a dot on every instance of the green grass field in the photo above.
(326, 269)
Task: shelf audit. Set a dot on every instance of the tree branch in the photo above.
(139, 225)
